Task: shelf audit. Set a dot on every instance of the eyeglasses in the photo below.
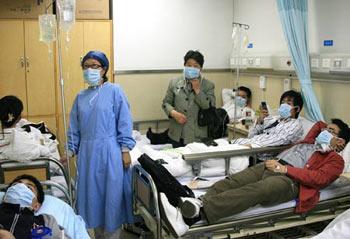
(92, 66)
(332, 131)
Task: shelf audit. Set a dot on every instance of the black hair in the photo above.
(297, 99)
(10, 110)
(344, 132)
(195, 55)
(246, 90)
(36, 182)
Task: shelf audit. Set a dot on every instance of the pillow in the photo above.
(227, 96)
(307, 125)
(65, 216)
(346, 156)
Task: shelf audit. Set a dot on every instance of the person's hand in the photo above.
(196, 85)
(179, 117)
(262, 115)
(64, 160)
(337, 144)
(6, 234)
(126, 159)
(275, 166)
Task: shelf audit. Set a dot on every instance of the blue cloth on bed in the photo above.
(64, 214)
(100, 126)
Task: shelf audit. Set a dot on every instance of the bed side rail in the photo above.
(48, 160)
(54, 161)
(196, 158)
(232, 153)
(330, 208)
(145, 199)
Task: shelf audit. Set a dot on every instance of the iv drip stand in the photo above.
(246, 27)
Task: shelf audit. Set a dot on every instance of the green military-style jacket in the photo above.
(182, 98)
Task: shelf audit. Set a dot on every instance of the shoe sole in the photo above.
(165, 219)
(188, 210)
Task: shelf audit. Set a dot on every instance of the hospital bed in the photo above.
(333, 201)
(40, 168)
(64, 214)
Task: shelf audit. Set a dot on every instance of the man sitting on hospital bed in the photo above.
(22, 199)
(15, 142)
(279, 130)
(298, 173)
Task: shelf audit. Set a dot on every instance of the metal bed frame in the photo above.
(146, 204)
(49, 183)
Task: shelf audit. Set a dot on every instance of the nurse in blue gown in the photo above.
(100, 134)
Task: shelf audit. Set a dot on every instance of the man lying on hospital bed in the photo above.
(19, 140)
(22, 199)
(278, 130)
(300, 172)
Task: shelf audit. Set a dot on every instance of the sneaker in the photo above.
(172, 217)
(190, 207)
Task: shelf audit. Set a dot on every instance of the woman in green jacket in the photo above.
(184, 97)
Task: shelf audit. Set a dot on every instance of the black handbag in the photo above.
(216, 119)
(164, 181)
(206, 116)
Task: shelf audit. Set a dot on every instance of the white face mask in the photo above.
(19, 194)
(92, 76)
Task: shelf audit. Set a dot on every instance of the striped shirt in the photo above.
(299, 154)
(287, 131)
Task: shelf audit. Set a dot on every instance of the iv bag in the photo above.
(66, 10)
(245, 42)
(47, 26)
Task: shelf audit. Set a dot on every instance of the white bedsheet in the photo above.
(180, 168)
(332, 191)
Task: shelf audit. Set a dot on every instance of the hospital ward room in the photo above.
(155, 119)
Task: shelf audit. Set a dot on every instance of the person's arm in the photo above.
(168, 101)
(57, 231)
(287, 134)
(318, 178)
(261, 122)
(314, 132)
(74, 129)
(205, 96)
(169, 105)
(124, 125)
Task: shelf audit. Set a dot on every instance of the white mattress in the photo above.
(179, 167)
(334, 190)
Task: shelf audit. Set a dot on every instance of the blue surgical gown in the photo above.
(100, 126)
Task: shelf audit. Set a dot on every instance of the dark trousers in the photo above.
(252, 186)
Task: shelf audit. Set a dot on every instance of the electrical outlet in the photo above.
(337, 63)
(250, 61)
(326, 63)
(287, 84)
(258, 61)
(262, 82)
(315, 63)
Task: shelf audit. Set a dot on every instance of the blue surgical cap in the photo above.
(99, 56)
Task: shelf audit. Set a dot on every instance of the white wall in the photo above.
(156, 34)
(328, 20)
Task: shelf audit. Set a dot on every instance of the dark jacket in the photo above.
(20, 221)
